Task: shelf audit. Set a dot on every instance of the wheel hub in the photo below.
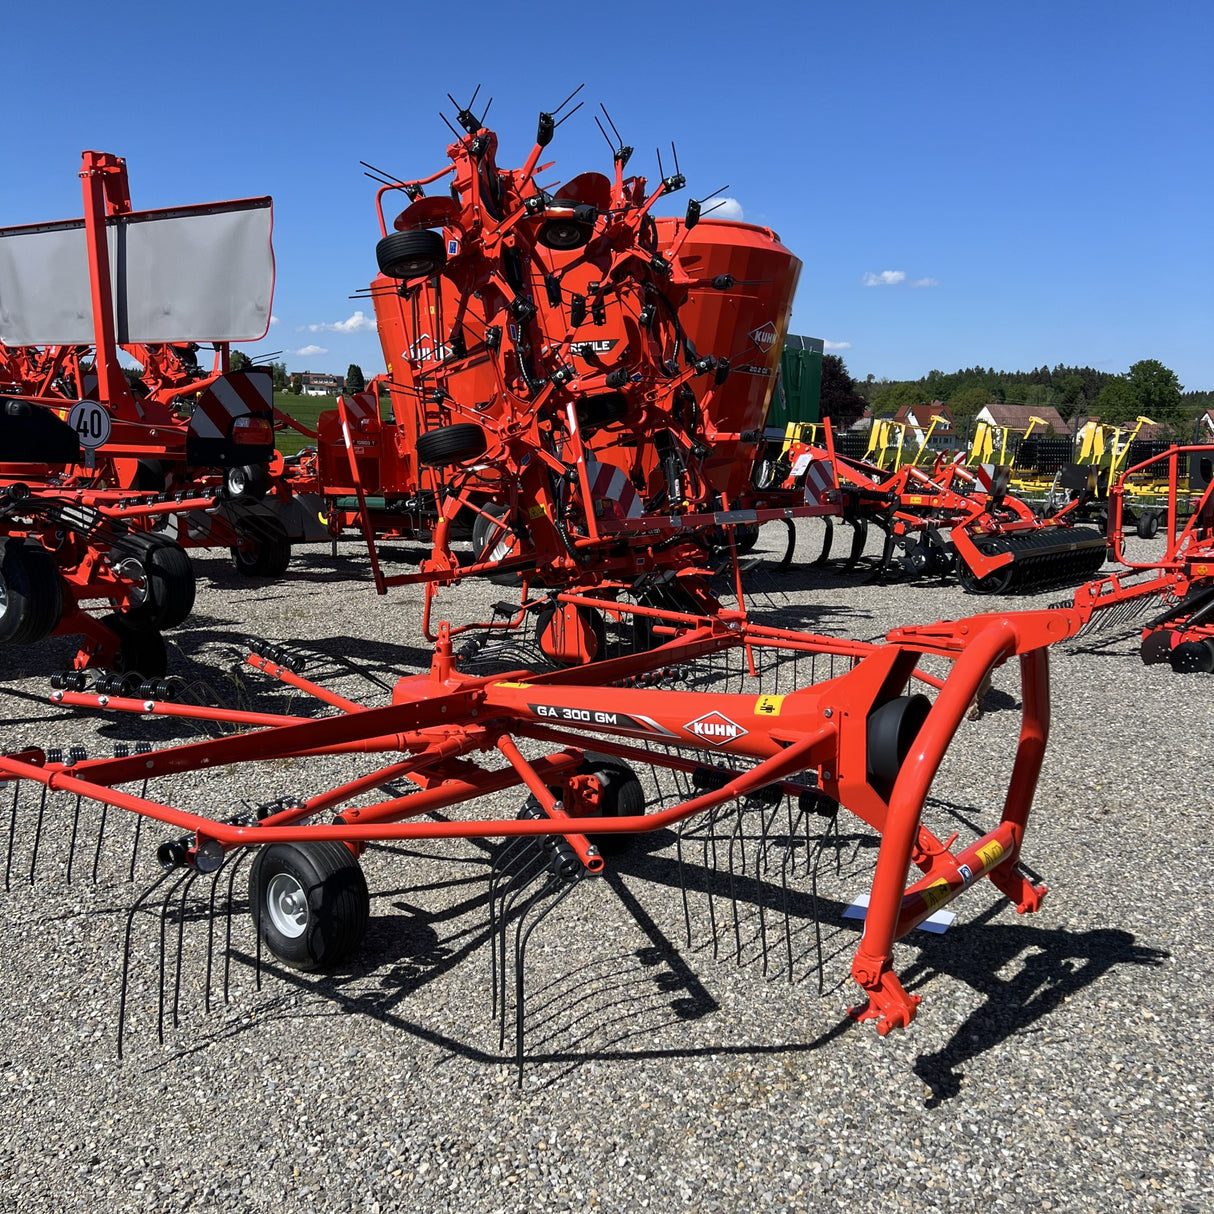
(287, 905)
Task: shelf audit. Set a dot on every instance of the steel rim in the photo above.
(287, 904)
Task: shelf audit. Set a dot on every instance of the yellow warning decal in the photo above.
(990, 853)
(768, 706)
(513, 686)
(537, 511)
(936, 894)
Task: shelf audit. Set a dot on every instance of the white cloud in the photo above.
(837, 345)
(307, 351)
(887, 278)
(926, 282)
(360, 322)
(273, 320)
(724, 208)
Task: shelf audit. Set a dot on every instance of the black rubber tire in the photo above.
(1148, 525)
(151, 476)
(247, 481)
(620, 796)
(595, 411)
(451, 444)
(139, 651)
(268, 550)
(545, 616)
(408, 255)
(485, 529)
(993, 583)
(317, 888)
(31, 594)
(1193, 657)
(170, 583)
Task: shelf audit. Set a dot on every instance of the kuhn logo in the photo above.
(715, 728)
(764, 337)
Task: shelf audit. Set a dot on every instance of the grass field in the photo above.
(305, 410)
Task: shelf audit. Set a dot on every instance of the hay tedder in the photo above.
(578, 383)
(104, 483)
(600, 756)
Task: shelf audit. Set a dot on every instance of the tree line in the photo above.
(1147, 389)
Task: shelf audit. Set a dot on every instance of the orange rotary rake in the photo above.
(604, 755)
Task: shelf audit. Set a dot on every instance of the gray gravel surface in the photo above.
(1060, 1061)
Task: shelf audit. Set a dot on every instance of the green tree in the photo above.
(280, 377)
(1157, 391)
(354, 378)
(239, 361)
(840, 401)
(296, 384)
(889, 400)
(1117, 401)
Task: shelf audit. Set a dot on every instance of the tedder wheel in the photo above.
(1148, 525)
(247, 480)
(139, 651)
(552, 636)
(309, 902)
(451, 444)
(620, 796)
(408, 255)
(485, 528)
(169, 581)
(31, 594)
(265, 548)
(1193, 657)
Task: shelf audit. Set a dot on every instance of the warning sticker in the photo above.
(936, 894)
(769, 706)
(537, 511)
(990, 853)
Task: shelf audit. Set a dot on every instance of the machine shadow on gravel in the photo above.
(1057, 964)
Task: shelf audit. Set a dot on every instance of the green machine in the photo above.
(798, 393)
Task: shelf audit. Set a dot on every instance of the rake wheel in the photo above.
(406, 255)
(451, 444)
(31, 594)
(169, 576)
(309, 903)
(265, 548)
(620, 796)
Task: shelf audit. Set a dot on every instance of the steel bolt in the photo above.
(830, 712)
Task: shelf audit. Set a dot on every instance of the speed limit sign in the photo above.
(91, 422)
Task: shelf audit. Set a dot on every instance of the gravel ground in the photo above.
(1059, 1061)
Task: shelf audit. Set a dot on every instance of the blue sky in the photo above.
(1020, 183)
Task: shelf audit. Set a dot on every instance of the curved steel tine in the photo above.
(126, 950)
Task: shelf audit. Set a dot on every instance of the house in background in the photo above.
(317, 384)
(918, 419)
(1019, 417)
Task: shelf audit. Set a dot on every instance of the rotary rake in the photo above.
(1175, 587)
(741, 740)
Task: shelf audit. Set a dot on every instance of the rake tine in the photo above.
(525, 877)
(206, 995)
(520, 954)
(736, 834)
(710, 839)
(12, 836)
(227, 948)
(71, 847)
(520, 846)
(100, 837)
(682, 880)
(126, 951)
(164, 915)
(143, 792)
(180, 946)
(38, 833)
(789, 860)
